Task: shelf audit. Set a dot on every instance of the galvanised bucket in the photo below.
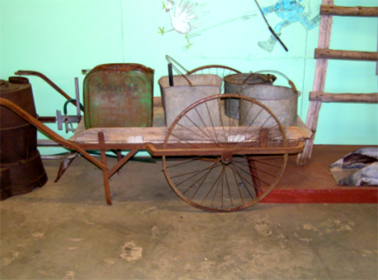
(185, 91)
(234, 83)
(282, 101)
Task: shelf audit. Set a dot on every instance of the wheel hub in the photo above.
(226, 157)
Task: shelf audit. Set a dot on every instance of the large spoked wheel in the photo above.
(220, 163)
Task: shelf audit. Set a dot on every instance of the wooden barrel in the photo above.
(5, 184)
(18, 139)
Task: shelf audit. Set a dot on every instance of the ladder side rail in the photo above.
(319, 84)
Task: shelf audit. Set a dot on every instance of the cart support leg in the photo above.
(120, 163)
(65, 163)
(254, 174)
(119, 157)
(105, 174)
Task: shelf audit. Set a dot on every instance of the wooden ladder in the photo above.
(322, 54)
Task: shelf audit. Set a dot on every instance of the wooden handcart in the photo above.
(212, 161)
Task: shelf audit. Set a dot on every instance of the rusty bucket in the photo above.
(235, 82)
(18, 139)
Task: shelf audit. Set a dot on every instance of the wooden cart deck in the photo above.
(129, 136)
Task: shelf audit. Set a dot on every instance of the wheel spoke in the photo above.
(208, 168)
(246, 129)
(213, 185)
(185, 141)
(202, 177)
(211, 120)
(229, 191)
(246, 187)
(263, 181)
(204, 125)
(269, 164)
(220, 110)
(260, 170)
(250, 174)
(187, 128)
(185, 162)
(237, 184)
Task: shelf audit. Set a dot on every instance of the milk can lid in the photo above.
(13, 84)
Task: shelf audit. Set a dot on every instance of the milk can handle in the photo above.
(284, 76)
(174, 62)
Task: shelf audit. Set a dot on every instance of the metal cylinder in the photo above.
(5, 184)
(180, 96)
(235, 82)
(18, 139)
(282, 101)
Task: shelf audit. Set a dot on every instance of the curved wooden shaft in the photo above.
(44, 129)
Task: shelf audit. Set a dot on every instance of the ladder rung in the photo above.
(346, 55)
(349, 11)
(344, 97)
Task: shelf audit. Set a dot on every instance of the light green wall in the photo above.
(61, 37)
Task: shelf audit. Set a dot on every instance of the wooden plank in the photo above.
(156, 135)
(349, 11)
(342, 195)
(213, 151)
(344, 97)
(345, 55)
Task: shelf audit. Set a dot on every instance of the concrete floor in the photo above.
(65, 230)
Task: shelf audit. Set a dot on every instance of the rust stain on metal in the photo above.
(118, 95)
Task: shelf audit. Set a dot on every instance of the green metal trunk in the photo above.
(119, 95)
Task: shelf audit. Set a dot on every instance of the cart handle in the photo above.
(48, 81)
(291, 83)
(173, 62)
